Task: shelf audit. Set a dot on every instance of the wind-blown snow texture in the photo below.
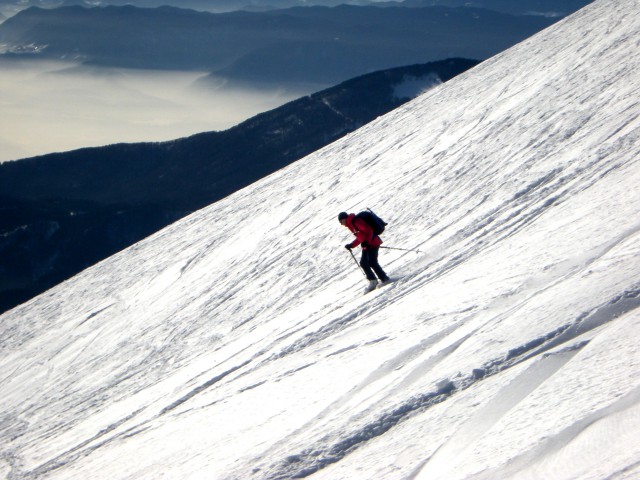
(236, 343)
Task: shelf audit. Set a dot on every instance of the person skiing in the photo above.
(370, 243)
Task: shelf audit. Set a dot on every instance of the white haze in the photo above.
(47, 107)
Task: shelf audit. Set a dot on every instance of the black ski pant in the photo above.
(369, 263)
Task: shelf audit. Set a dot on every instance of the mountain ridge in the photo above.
(562, 7)
(305, 44)
(63, 212)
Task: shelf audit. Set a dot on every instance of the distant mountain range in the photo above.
(551, 8)
(522, 7)
(300, 45)
(61, 213)
(214, 6)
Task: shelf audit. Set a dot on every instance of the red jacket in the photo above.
(362, 231)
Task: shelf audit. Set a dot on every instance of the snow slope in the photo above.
(236, 343)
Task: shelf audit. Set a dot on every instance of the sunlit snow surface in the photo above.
(237, 344)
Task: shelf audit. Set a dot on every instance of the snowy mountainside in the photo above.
(236, 343)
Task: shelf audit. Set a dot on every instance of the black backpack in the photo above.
(373, 220)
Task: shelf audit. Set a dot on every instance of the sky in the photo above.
(49, 106)
(237, 343)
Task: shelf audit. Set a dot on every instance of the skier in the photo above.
(370, 243)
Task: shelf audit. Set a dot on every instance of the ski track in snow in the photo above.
(319, 456)
(237, 343)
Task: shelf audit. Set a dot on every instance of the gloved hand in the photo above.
(348, 246)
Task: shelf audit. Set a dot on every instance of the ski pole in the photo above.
(356, 260)
(403, 249)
